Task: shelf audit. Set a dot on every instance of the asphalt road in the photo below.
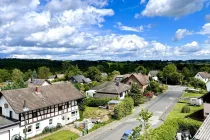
(160, 107)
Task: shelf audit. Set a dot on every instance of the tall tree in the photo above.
(44, 72)
(4, 75)
(94, 73)
(141, 69)
(17, 75)
(186, 72)
(136, 94)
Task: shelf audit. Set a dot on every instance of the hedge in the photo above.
(168, 130)
(95, 102)
(124, 108)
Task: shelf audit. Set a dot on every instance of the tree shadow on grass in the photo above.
(198, 115)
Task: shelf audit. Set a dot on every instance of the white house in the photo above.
(153, 74)
(38, 82)
(46, 106)
(206, 104)
(112, 90)
(208, 86)
(203, 76)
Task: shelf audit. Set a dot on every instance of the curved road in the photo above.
(160, 107)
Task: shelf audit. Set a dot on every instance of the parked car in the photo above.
(195, 101)
(127, 134)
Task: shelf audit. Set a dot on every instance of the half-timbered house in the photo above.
(40, 107)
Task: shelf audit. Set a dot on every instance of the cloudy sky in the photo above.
(105, 29)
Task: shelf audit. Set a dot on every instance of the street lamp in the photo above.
(25, 109)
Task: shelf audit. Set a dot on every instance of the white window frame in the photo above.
(50, 121)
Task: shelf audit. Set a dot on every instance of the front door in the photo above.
(10, 114)
(0, 111)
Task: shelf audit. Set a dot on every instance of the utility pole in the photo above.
(25, 109)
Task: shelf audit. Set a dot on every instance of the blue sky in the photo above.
(105, 29)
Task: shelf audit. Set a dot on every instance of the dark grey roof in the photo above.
(49, 95)
(153, 73)
(104, 95)
(6, 123)
(36, 82)
(204, 131)
(81, 79)
(112, 87)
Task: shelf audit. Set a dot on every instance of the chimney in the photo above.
(118, 83)
(24, 104)
(37, 89)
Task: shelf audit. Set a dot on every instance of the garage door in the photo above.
(4, 135)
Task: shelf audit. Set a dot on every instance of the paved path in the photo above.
(160, 107)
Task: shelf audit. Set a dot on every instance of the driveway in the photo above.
(160, 107)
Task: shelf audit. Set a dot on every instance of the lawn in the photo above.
(62, 135)
(176, 112)
(95, 112)
(191, 94)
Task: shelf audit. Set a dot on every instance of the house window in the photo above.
(29, 129)
(75, 102)
(50, 121)
(34, 115)
(206, 114)
(60, 107)
(73, 114)
(37, 126)
(121, 95)
(129, 83)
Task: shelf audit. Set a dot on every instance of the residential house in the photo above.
(208, 86)
(45, 106)
(57, 76)
(104, 75)
(137, 78)
(38, 82)
(203, 76)
(112, 90)
(80, 79)
(121, 77)
(203, 132)
(206, 104)
(153, 75)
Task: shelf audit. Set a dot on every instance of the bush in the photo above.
(95, 102)
(46, 130)
(124, 108)
(168, 130)
(185, 109)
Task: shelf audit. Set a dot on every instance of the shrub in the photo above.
(185, 109)
(46, 130)
(168, 130)
(124, 108)
(95, 102)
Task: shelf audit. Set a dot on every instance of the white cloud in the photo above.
(207, 17)
(172, 8)
(142, 1)
(127, 28)
(181, 33)
(205, 29)
(69, 29)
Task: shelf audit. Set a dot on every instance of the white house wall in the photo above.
(208, 86)
(6, 111)
(64, 118)
(201, 78)
(13, 130)
(45, 83)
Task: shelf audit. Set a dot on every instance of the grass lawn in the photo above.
(94, 112)
(191, 94)
(176, 112)
(62, 135)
